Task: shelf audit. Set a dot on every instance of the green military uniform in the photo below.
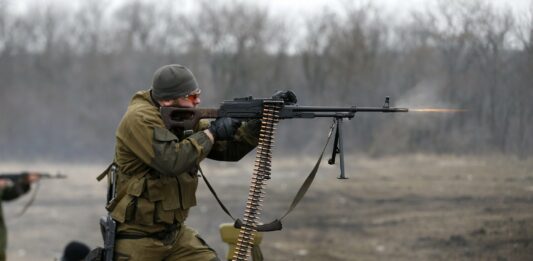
(157, 181)
(9, 193)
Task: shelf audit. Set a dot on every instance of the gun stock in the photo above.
(185, 118)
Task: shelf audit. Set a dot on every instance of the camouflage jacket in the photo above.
(157, 171)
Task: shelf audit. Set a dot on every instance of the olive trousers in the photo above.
(186, 245)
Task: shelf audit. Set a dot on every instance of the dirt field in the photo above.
(397, 208)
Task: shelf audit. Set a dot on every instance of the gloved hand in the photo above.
(224, 128)
(287, 96)
(254, 126)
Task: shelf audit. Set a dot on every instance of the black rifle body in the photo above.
(184, 119)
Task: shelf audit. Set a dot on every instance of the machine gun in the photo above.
(250, 108)
(185, 119)
(270, 111)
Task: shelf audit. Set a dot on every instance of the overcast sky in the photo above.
(400, 5)
(304, 7)
(394, 7)
(296, 12)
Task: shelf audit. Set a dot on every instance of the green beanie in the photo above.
(173, 81)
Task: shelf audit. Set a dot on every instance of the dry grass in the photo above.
(414, 207)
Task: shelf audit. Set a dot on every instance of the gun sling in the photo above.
(276, 224)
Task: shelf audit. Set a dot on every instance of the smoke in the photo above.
(426, 94)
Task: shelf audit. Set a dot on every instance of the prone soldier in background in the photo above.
(157, 170)
(12, 186)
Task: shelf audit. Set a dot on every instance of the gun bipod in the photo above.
(338, 147)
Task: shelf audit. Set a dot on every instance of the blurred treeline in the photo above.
(67, 74)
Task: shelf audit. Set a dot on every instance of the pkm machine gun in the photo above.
(183, 120)
(270, 111)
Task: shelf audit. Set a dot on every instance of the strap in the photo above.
(309, 180)
(105, 172)
(215, 194)
(276, 224)
(131, 236)
(160, 235)
(272, 226)
(32, 199)
(257, 254)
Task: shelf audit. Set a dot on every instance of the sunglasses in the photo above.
(193, 96)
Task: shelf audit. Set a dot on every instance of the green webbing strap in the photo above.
(257, 254)
(105, 172)
(276, 224)
(309, 180)
(215, 194)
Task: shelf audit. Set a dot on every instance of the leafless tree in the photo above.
(76, 70)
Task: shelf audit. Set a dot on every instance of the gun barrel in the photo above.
(345, 109)
(53, 176)
(322, 109)
(180, 119)
(382, 109)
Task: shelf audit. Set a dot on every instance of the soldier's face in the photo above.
(190, 101)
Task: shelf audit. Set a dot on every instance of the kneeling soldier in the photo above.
(157, 170)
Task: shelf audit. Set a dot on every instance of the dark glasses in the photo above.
(193, 96)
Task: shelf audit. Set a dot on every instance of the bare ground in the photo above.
(414, 207)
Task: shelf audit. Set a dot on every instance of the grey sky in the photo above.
(296, 12)
(306, 7)
(398, 8)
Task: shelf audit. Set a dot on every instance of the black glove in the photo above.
(254, 126)
(287, 96)
(224, 128)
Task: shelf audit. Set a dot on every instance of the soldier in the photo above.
(12, 186)
(157, 170)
